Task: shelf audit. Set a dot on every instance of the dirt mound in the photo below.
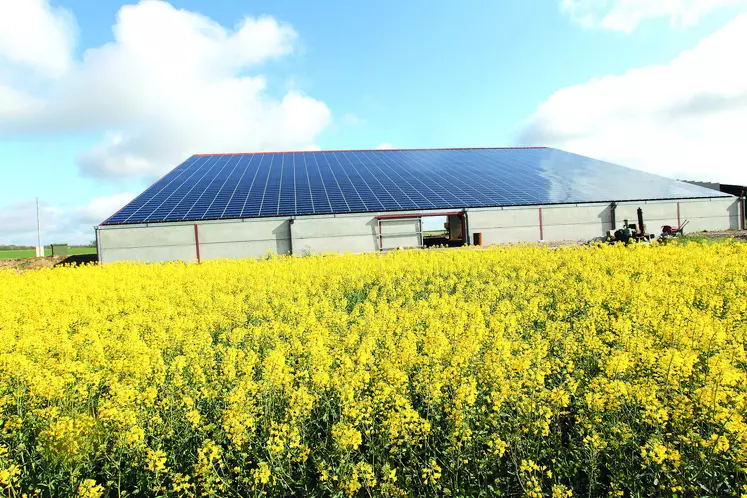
(25, 264)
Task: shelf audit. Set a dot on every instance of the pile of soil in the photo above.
(25, 264)
(30, 263)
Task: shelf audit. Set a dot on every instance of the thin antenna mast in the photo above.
(39, 247)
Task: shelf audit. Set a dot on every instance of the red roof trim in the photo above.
(369, 150)
(419, 215)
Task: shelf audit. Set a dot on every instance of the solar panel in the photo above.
(301, 183)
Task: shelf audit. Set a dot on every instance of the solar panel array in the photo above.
(302, 183)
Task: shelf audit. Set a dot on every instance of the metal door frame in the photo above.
(420, 216)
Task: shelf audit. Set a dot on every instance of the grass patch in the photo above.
(30, 253)
(704, 239)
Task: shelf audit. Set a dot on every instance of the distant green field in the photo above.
(30, 253)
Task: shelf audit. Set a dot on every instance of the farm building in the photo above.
(246, 205)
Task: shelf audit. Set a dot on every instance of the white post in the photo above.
(39, 246)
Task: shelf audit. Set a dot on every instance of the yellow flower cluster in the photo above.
(515, 371)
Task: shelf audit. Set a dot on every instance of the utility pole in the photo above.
(39, 246)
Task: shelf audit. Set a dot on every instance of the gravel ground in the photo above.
(30, 263)
(737, 234)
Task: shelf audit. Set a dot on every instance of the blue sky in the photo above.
(86, 127)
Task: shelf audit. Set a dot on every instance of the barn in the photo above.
(248, 205)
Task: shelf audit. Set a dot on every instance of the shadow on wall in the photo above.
(605, 215)
(374, 224)
(282, 235)
(734, 215)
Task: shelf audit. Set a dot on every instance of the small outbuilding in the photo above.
(246, 205)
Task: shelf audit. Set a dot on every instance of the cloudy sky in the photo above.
(98, 99)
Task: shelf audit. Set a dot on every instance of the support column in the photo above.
(290, 236)
(679, 223)
(197, 242)
(542, 234)
(98, 245)
(465, 228)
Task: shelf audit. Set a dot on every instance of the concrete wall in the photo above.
(238, 238)
(701, 214)
(582, 222)
(714, 215)
(339, 234)
(502, 226)
(655, 215)
(404, 232)
(147, 243)
(359, 232)
(245, 239)
(587, 221)
(167, 242)
(571, 222)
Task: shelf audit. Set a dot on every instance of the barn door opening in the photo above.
(445, 230)
(421, 230)
(435, 231)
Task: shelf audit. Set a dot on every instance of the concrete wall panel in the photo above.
(492, 236)
(174, 242)
(578, 231)
(480, 221)
(655, 215)
(340, 234)
(576, 222)
(400, 233)
(401, 226)
(244, 231)
(577, 215)
(153, 236)
(398, 241)
(245, 249)
(721, 214)
(714, 215)
(149, 254)
(332, 227)
(350, 243)
(707, 208)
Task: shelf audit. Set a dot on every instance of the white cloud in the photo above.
(72, 225)
(385, 145)
(684, 119)
(101, 208)
(36, 35)
(18, 222)
(17, 103)
(350, 119)
(162, 98)
(627, 15)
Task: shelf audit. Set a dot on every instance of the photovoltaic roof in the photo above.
(227, 186)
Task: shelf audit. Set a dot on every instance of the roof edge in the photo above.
(141, 193)
(439, 210)
(367, 150)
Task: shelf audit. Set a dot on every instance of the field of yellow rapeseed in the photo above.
(522, 371)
